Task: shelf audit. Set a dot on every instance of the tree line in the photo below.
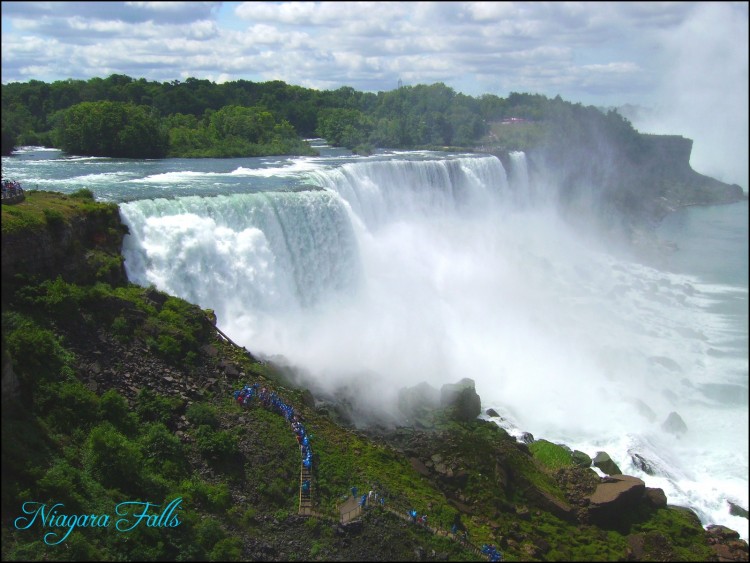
(121, 116)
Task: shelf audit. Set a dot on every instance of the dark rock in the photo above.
(527, 438)
(642, 463)
(605, 463)
(462, 398)
(736, 510)
(459, 479)
(614, 499)
(674, 424)
(722, 532)
(580, 458)
(492, 412)
(548, 502)
(656, 497)
(650, 546)
(354, 527)
(419, 467)
(543, 545)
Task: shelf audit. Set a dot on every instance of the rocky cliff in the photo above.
(629, 179)
(51, 234)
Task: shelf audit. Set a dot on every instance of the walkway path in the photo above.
(351, 509)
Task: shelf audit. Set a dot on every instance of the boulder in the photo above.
(580, 458)
(674, 424)
(550, 503)
(462, 398)
(656, 497)
(737, 510)
(492, 412)
(722, 532)
(605, 463)
(642, 463)
(419, 467)
(527, 438)
(614, 498)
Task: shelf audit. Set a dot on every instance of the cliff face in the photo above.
(636, 181)
(78, 239)
(620, 177)
(667, 166)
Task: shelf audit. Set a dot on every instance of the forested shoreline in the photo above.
(125, 117)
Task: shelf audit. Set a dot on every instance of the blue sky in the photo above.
(687, 60)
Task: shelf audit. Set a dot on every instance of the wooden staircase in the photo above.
(305, 498)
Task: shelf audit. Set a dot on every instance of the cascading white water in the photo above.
(405, 270)
(264, 252)
(382, 192)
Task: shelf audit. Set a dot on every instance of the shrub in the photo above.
(209, 532)
(156, 408)
(83, 193)
(68, 405)
(114, 459)
(37, 353)
(62, 483)
(228, 549)
(163, 451)
(201, 414)
(215, 446)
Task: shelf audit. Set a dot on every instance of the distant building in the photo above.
(514, 120)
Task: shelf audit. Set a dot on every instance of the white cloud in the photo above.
(602, 53)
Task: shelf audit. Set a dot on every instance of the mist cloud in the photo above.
(703, 91)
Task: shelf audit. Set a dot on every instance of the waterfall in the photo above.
(258, 252)
(380, 192)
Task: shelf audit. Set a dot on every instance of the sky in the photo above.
(687, 62)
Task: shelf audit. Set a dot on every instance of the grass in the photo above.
(41, 209)
(552, 456)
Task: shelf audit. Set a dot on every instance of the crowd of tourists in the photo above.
(271, 401)
(492, 553)
(11, 189)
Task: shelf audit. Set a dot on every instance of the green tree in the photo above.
(115, 129)
(114, 459)
(344, 127)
